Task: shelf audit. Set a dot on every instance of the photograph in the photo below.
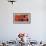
(21, 18)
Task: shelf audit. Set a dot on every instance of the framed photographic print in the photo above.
(21, 18)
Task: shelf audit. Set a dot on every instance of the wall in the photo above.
(36, 29)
